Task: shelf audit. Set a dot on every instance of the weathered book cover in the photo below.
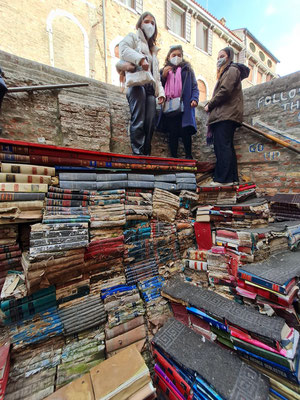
(27, 169)
(23, 178)
(24, 187)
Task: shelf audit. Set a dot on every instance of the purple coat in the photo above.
(190, 93)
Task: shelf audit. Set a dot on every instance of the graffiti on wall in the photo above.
(287, 100)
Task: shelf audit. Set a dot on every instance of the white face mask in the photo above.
(221, 61)
(148, 29)
(176, 60)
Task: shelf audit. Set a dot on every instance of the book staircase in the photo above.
(106, 258)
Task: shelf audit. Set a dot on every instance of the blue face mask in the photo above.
(221, 61)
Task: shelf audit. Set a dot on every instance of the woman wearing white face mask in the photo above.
(178, 79)
(139, 49)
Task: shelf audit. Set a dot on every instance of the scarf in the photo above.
(173, 87)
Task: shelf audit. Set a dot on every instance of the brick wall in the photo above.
(97, 117)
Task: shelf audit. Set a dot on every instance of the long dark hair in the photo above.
(152, 40)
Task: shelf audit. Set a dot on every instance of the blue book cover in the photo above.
(210, 320)
(200, 383)
(270, 365)
(263, 282)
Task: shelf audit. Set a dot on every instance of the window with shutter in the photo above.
(129, 3)
(188, 19)
(178, 23)
(202, 36)
(139, 6)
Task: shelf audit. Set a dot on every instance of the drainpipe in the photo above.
(104, 38)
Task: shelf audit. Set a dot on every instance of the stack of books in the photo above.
(273, 282)
(216, 195)
(59, 236)
(185, 234)
(165, 205)
(80, 353)
(185, 369)
(33, 370)
(285, 207)
(138, 204)
(107, 212)
(188, 203)
(126, 323)
(41, 327)
(23, 190)
(245, 191)
(53, 268)
(165, 182)
(65, 159)
(186, 181)
(10, 252)
(195, 267)
(66, 206)
(82, 313)
(251, 213)
(15, 309)
(104, 255)
(266, 341)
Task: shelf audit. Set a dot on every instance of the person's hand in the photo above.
(206, 108)
(166, 71)
(144, 64)
(194, 104)
(161, 100)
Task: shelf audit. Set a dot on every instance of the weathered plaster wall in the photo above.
(97, 117)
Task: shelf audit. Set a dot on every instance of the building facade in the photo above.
(81, 36)
(260, 60)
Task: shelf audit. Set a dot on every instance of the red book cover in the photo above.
(269, 295)
(203, 235)
(4, 365)
(173, 375)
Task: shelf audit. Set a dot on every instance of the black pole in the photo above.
(44, 87)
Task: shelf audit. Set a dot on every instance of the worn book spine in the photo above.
(49, 160)
(77, 176)
(22, 205)
(111, 177)
(13, 149)
(14, 157)
(246, 276)
(6, 196)
(66, 203)
(270, 365)
(66, 196)
(27, 169)
(23, 178)
(78, 185)
(24, 187)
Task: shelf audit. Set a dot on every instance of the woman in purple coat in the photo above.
(178, 74)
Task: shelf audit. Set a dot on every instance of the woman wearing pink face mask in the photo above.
(139, 49)
(178, 79)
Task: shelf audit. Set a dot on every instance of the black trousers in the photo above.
(142, 106)
(175, 129)
(226, 165)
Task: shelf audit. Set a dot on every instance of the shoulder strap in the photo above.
(187, 72)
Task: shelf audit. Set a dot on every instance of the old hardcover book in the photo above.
(14, 157)
(120, 376)
(6, 196)
(24, 187)
(27, 169)
(24, 178)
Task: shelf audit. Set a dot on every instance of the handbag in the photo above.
(139, 78)
(173, 107)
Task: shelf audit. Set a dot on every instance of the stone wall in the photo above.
(96, 117)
